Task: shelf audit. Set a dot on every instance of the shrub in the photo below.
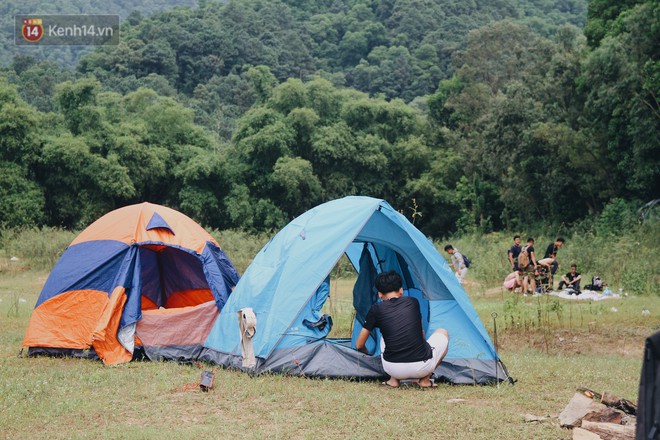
(39, 247)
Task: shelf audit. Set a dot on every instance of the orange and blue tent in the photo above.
(142, 278)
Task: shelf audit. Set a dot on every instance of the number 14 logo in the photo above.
(32, 29)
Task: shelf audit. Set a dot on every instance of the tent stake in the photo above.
(494, 315)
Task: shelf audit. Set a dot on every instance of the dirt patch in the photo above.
(494, 292)
(574, 342)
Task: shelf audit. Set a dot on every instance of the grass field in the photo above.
(551, 347)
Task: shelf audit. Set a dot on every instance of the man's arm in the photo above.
(511, 258)
(361, 340)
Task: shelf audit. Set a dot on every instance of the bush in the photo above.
(240, 246)
(40, 248)
(618, 217)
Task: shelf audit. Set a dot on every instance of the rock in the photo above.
(456, 400)
(14, 259)
(533, 418)
(578, 407)
(583, 434)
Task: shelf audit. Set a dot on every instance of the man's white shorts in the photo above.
(416, 370)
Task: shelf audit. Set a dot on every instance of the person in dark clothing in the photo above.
(513, 253)
(552, 250)
(571, 279)
(648, 402)
(531, 269)
(405, 353)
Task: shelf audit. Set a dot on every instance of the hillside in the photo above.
(466, 117)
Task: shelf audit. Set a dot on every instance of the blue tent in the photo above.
(287, 284)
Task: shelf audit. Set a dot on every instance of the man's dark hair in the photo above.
(449, 247)
(574, 265)
(387, 282)
(560, 240)
(516, 236)
(530, 239)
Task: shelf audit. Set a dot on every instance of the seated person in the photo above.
(405, 352)
(513, 280)
(571, 280)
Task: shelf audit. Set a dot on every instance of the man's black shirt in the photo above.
(551, 249)
(400, 323)
(571, 277)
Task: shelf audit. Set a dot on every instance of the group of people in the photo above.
(529, 275)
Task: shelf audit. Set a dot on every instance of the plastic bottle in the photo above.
(607, 292)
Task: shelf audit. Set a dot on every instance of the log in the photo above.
(608, 415)
(610, 431)
(624, 405)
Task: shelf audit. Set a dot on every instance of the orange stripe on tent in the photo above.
(66, 320)
(185, 298)
(148, 304)
(129, 225)
(105, 342)
(153, 312)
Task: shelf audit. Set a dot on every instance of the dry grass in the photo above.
(69, 398)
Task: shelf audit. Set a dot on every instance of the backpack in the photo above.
(523, 258)
(466, 261)
(596, 283)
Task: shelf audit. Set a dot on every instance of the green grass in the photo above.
(70, 398)
(550, 346)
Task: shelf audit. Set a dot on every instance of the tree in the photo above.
(21, 199)
(602, 15)
(295, 186)
(79, 185)
(263, 81)
(76, 101)
(621, 117)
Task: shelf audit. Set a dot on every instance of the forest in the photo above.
(466, 116)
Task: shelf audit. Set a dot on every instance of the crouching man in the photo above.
(405, 353)
(571, 280)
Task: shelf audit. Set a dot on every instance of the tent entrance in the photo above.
(353, 292)
(171, 278)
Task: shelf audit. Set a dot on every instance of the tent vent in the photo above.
(157, 222)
